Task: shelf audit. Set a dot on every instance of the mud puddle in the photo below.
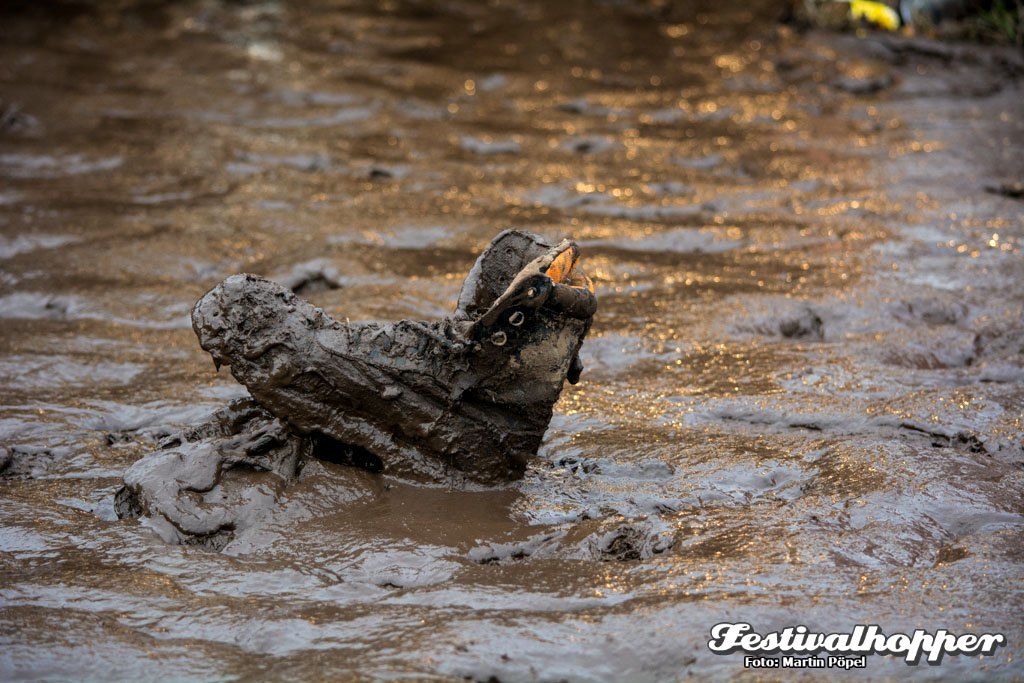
(802, 398)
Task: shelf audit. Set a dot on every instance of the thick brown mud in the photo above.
(803, 391)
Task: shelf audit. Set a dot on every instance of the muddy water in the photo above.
(803, 394)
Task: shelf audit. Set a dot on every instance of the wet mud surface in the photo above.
(803, 392)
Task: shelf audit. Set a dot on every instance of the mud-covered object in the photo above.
(209, 481)
(464, 398)
(467, 398)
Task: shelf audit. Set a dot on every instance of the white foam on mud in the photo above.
(43, 166)
(26, 243)
(405, 237)
(489, 145)
(681, 241)
(29, 371)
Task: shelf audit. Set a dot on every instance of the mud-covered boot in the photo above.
(467, 397)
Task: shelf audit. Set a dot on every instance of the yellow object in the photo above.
(583, 281)
(561, 268)
(875, 13)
